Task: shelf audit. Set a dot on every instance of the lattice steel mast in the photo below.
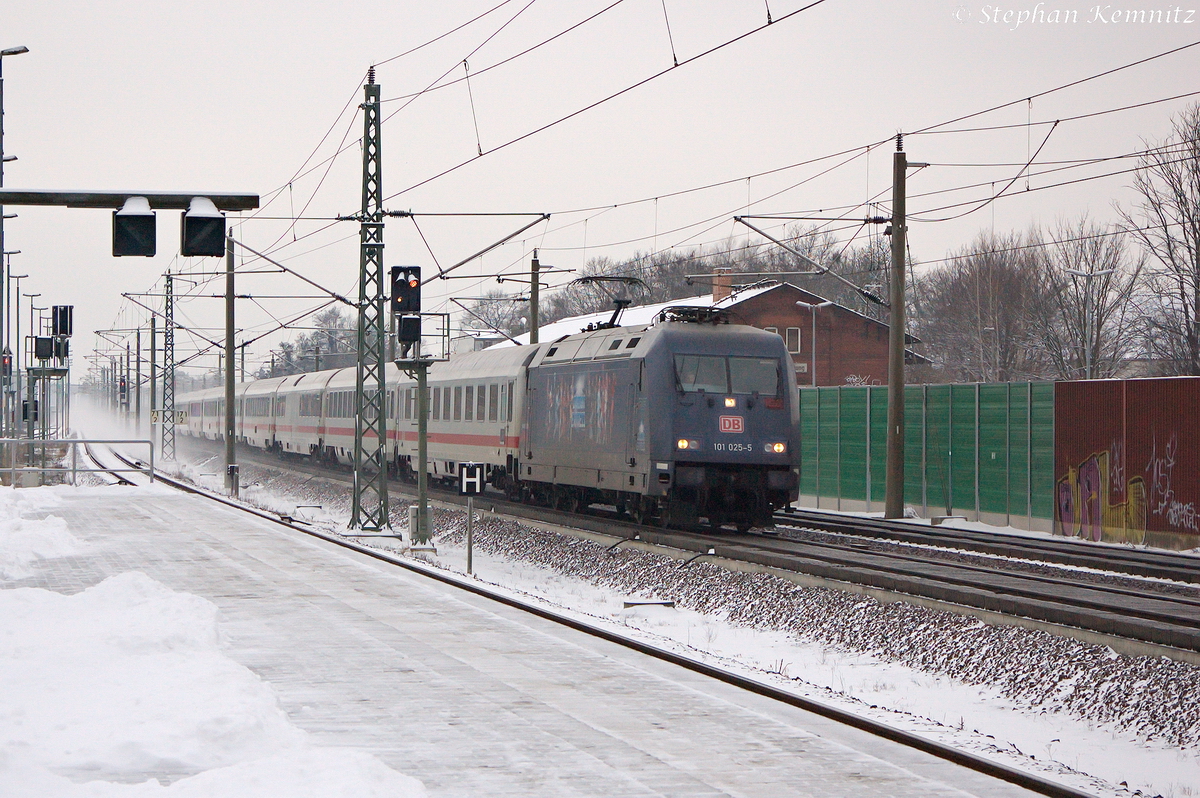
(168, 373)
(370, 507)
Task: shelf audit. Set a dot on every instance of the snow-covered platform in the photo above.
(469, 696)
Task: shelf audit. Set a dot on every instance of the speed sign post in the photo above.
(470, 483)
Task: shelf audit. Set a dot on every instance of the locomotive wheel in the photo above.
(560, 500)
(641, 510)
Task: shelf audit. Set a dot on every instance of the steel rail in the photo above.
(1067, 551)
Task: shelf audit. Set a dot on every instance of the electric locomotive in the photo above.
(688, 419)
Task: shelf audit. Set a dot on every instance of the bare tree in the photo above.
(981, 313)
(497, 310)
(1168, 227)
(1090, 278)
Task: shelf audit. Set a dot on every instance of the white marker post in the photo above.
(470, 482)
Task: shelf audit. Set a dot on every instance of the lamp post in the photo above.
(1088, 342)
(812, 311)
(15, 425)
(3, 282)
(31, 388)
(28, 360)
(36, 389)
(6, 378)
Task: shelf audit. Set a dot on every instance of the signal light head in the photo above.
(406, 289)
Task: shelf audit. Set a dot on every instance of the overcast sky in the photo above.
(258, 97)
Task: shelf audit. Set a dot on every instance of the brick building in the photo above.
(850, 348)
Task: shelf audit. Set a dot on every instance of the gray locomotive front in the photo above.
(679, 422)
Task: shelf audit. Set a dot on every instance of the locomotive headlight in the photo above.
(775, 448)
(730, 401)
(684, 443)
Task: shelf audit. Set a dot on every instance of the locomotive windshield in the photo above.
(735, 375)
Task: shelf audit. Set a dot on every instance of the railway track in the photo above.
(1119, 602)
(90, 451)
(1064, 551)
(1030, 781)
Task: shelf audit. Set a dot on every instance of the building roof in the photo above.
(642, 315)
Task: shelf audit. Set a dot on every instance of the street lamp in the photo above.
(1087, 316)
(812, 311)
(4, 283)
(15, 350)
(29, 363)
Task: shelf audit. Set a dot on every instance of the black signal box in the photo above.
(43, 348)
(406, 289)
(201, 236)
(133, 235)
(64, 320)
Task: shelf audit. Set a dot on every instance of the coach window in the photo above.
(772, 330)
(458, 403)
(510, 401)
(446, 404)
(493, 401)
(435, 406)
(793, 340)
(481, 403)
(470, 404)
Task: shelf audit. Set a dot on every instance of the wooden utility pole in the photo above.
(153, 375)
(534, 268)
(137, 383)
(894, 490)
(232, 479)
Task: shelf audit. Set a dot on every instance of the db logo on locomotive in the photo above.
(732, 424)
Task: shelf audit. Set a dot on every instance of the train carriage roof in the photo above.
(263, 387)
(305, 383)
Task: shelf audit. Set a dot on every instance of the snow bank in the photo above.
(126, 680)
(25, 541)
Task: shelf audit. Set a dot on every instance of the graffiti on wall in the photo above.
(1096, 502)
(1160, 470)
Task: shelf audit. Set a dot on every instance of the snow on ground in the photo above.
(1108, 723)
(1036, 700)
(23, 541)
(123, 690)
